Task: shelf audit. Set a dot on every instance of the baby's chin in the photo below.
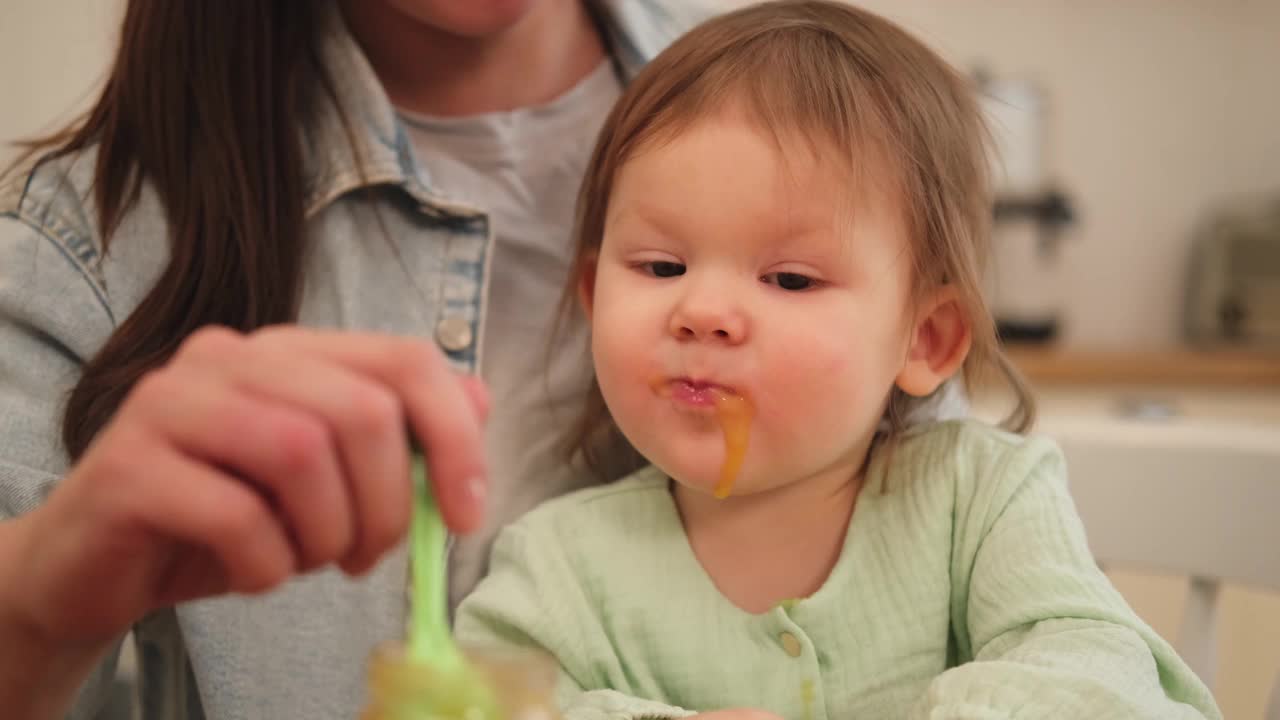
(704, 479)
(707, 490)
(697, 463)
(697, 477)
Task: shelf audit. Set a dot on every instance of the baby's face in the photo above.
(724, 268)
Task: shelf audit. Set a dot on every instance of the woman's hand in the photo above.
(245, 460)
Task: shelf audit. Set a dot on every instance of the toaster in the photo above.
(1233, 280)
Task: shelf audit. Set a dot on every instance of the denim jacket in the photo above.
(301, 650)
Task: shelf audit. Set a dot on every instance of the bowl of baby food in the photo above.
(401, 689)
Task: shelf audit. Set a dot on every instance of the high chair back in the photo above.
(1183, 498)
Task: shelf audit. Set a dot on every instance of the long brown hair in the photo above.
(852, 83)
(204, 103)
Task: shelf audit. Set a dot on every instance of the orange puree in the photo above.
(734, 414)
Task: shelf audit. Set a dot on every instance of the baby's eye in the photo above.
(791, 281)
(663, 268)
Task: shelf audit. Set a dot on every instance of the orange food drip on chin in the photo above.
(734, 414)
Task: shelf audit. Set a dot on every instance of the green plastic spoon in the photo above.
(450, 687)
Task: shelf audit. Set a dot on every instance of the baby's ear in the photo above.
(940, 342)
(587, 282)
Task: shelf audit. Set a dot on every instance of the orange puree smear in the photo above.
(734, 414)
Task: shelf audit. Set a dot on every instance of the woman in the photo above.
(396, 176)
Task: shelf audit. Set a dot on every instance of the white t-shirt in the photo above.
(523, 168)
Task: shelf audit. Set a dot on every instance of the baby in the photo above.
(780, 243)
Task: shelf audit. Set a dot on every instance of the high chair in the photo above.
(1185, 498)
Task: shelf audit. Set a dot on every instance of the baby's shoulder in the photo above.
(602, 514)
(971, 460)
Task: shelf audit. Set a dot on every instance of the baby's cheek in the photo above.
(816, 367)
(813, 389)
(615, 351)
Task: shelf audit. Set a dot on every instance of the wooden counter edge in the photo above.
(1182, 366)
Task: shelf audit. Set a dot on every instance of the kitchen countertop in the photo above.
(1177, 367)
(1151, 405)
(1158, 389)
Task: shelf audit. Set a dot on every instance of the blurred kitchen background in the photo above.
(1138, 248)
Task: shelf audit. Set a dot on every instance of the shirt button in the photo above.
(454, 333)
(791, 644)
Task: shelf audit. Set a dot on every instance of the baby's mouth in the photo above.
(733, 411)
(696, 393)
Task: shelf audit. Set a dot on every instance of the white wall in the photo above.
(1161, 109)
(53, 54)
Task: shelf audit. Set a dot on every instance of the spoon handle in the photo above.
(429, 637)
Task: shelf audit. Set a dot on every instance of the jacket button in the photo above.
(453, 332)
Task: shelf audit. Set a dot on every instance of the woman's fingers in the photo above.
(438, 407)
(364, 420)
(245, 460)
(211, 510)
(478, 393)
(286, 456)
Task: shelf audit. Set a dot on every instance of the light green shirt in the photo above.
(964, 589)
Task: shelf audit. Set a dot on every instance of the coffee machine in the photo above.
(1030, 218)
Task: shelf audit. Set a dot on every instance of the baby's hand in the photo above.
(736, 714)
